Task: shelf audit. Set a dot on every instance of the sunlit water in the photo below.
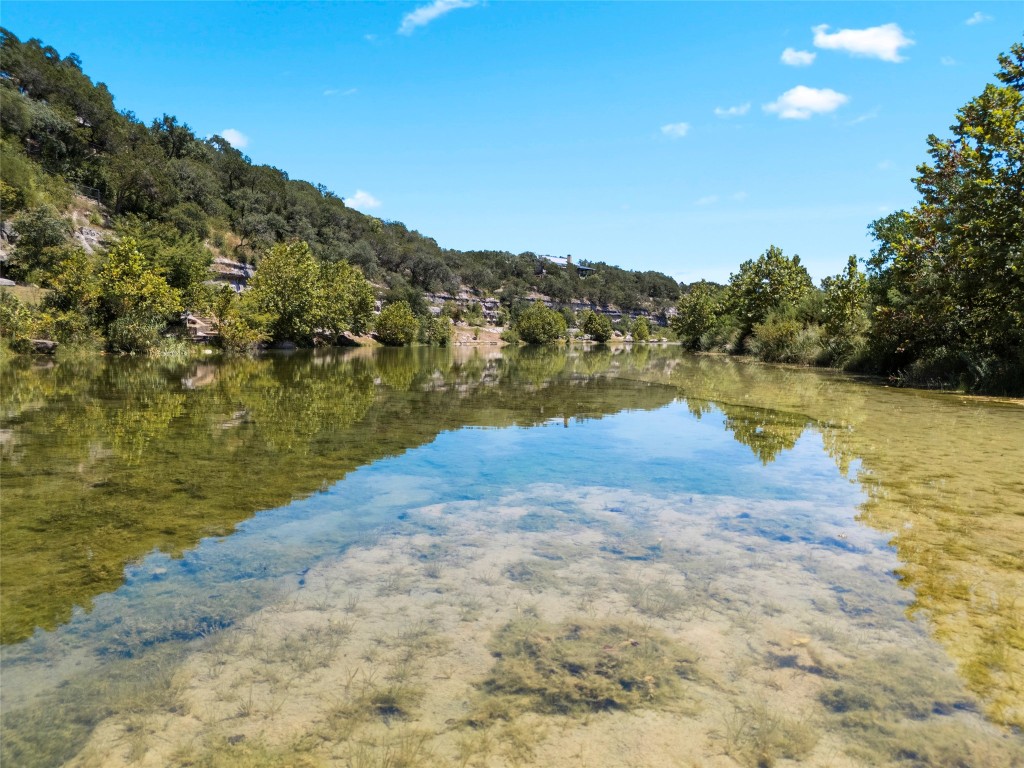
(411, 558)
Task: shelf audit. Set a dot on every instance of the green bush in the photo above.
(396, 325)
(134, 333)
(598, 327)
(539, 325)
(641, 329)
(782, 338)
(438, 330)
(16, 322)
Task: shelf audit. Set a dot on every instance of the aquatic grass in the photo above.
(757, 735)
(582, 666)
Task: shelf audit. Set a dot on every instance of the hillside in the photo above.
(64, 141)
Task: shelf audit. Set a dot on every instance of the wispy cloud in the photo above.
(736, 111)
(978, 18)
(707, 200)
(235, 138)
(882, 42)
(740, 196)
(338, 91)
(676, 130)
(801, 102)
(425, 14)
(795, 58)
(870, 115)
(947, 61)
(362, 201)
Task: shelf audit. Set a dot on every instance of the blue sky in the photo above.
(681, 137)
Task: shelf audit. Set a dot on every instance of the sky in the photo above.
(674, 136)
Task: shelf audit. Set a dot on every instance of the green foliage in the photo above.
(72, 307)
(135, 299)
(697, 312)
(16, 322)
(438, 330)
(539, 325)
(765, 284)
(344, 299)
(40, 234)
(948, 276)
(596, 326)
(396, 325)
(784, 338)
(284, 289)
(641, 329)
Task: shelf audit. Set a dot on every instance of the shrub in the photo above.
(641, 329)
(397, 325)
(438, 330)
(598, 327)
(539, 325)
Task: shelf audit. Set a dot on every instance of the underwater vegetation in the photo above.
(583, 666)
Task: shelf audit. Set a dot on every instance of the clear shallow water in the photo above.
(488, 560)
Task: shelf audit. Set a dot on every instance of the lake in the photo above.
(482, 557)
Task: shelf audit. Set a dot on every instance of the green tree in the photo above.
(135, 298)
(596, 326)
(845, 301)
(284, 289)
(344, 300)
(41, 233)
(765, 284)
(948, 275)
(396, 325)
(539, 325)
(697, 313)
(438, 330)
(641, 329)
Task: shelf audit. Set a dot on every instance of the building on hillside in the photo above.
(564, 263)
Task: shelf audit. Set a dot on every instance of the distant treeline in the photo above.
(942, 300)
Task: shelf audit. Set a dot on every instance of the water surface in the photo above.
(421, 557)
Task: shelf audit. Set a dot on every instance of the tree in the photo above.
(641, 329)
(284, 289)
(396, 325)
(438, 330)
(765, 284)
(948, 275)
(846, 296)
(539, 325)
(41, 233)
(136, 299)
(697, 313)
(596, 326)
(344, 300)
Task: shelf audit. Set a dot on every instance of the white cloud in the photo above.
(795, 58)
(740, 196)
(801, 102)
(427, 13)
(676, 130)
(709, 200)
(736, 111)
(362, 201)
(978, 18)
(883, 42)
(235, 138)
(947, 61)
(336, 91)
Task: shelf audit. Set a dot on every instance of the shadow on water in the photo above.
(124, 480)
